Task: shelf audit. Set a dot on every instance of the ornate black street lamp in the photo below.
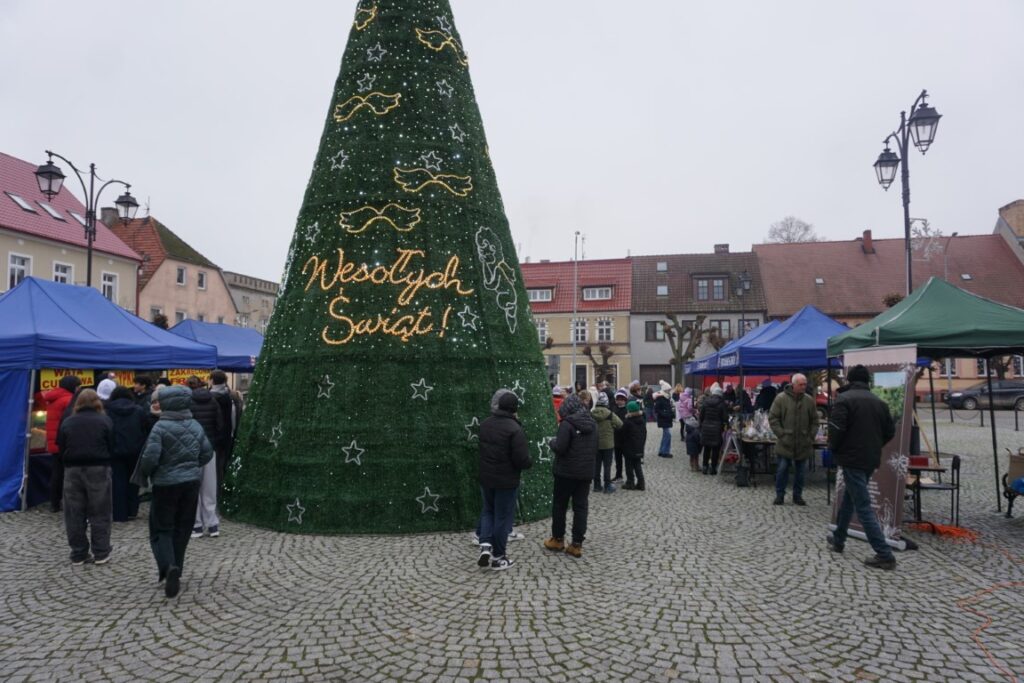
(742, 287)
(51, 178)
(921, 126)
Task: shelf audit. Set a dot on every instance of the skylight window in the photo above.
(966, 276)
(21, 202)
(77, 216)
(819, 280)
(50, 210)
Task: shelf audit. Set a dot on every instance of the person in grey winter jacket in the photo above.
(575, 449)
(173, 458)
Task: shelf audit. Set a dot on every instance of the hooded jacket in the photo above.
(130, 428)
(57, 401)
(504, 451)
(207, 412)
(607, 424)
(713, 416)
(634, 435)
(663, 410)
(575, 445)
(177, 448)
(859, 426)
(794, 419)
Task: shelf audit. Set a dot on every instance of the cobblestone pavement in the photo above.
(694, 579)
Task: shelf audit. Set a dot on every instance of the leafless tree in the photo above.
(602, 368)
(791, 229)
(684, 337)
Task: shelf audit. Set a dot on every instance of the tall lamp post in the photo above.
(921, 127)
(742, 287)
(575, 300)
(51, 178)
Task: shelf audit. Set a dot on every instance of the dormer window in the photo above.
(597, 293)
(819, 281)
(662, 266)
(538, 295)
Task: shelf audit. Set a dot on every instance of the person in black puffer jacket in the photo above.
(86, 440)
(575, 449)
(713, 417)
(621, 399)
(131, 427)
(504, 454)
(634, 437)
(206, 411)
(665, 414)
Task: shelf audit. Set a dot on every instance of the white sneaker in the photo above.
(474, 539)
(501, 564)
(197, 532)
(485, 555)
(515, 536)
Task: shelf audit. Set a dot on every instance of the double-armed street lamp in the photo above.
(921, 127)
(742, 287)
(51, 178)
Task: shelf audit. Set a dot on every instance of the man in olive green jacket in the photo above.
(794, 419)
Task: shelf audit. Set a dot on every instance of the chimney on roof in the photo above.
(545, 260)
(721, 248)
(108, 215)
(867, 245)
(526, 259)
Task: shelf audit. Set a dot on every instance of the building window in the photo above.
(1018, 366)
(154, 311)
(263, 324)
(702, 289)
(25, 206)
(718, 289)
(201, 317)
(220, 320)
(179, 316)
(245, 300)
(542, 331)
(950, 364)
(52, 211)
(724, 328)
(201, 280)
(662, 290)
(654, 331)
(109, 286)
(180, 276)
(63, 272)
(539, 295)
(747, 325)
(662, 266)
(579, 330)
(18, 268)
(982, 368)
(605, 330)
(597, 293)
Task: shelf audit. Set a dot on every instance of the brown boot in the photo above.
(556, 544)
(575, 549)
(694, 467)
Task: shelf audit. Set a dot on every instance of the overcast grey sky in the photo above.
(656, 127)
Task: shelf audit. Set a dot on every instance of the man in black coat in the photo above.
(575, 449)
(207, 413)
(504, 454)
(860, 424)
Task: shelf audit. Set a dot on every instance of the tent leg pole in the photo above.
(935, 422)
(995, 447)
(28, 443)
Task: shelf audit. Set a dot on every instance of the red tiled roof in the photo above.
(855, 283)
(141, 235)
(558, 276)
(682, 272)
(18, 177)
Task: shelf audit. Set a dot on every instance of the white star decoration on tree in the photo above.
(275, 434)
(421, 389)
(457, 132)
(313, 233)
(424, 497)
(445, 24)
(295, 511)
(366, 82)
(445, 88)
(376, 53)
(338, 160)
(324, 387)
(431, 161)
(468, 318)
(520, 391)
(543, 451)
(353, 453)
(473, 424)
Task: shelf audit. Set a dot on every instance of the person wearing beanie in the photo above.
(859, 426)
(57, 402)
(794, 420)
(607, 424)
(618, 407)
(634, 439)
(504, 454)
(664, 413)
(714, 416)
(105, 389)
(557, 396)
(575, 449)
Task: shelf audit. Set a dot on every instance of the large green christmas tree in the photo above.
(402, 307)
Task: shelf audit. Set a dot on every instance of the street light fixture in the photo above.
(51, 179)
(923, 123)
(742, 287)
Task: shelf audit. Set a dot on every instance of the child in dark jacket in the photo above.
(634, 438)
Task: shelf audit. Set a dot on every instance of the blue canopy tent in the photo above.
(708, 365)
(51, 325)
(798, 343)
(237, 347)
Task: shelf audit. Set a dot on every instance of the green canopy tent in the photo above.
(943, 320)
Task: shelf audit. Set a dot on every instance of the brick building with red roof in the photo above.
(45, 237)
(602, 296)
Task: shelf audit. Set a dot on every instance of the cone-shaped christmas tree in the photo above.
(402, 308)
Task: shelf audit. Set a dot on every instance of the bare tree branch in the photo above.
(791, 229)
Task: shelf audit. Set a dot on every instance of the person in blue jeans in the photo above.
(794, 420)
(504, 454)
(859, 426)
(665, 414)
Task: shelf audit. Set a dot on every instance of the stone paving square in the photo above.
(692, 580)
